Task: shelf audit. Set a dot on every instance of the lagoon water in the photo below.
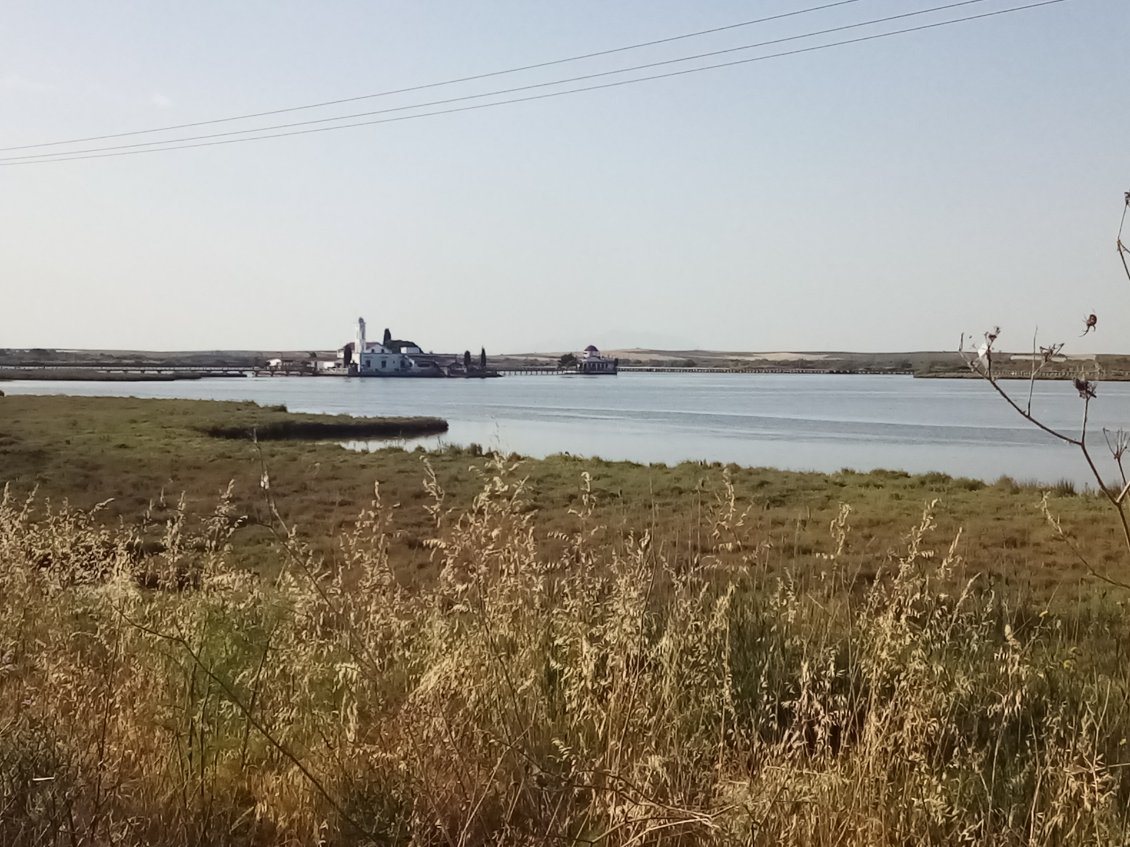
(803, 422)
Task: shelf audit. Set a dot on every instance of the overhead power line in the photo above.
(455, 81)
(505, 91)
(66, 157)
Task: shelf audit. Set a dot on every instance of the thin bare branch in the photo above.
(1074, 548)
(1028, 417)
(1122, 249)
(1117, 450)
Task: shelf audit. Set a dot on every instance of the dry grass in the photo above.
(606, 694)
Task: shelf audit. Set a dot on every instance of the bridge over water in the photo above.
(549, 370)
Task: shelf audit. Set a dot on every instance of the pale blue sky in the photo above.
(880, 196)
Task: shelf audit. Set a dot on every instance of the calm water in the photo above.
(779, 420)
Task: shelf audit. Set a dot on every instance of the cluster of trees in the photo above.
(482, 359)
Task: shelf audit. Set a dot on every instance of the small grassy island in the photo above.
(210, 638)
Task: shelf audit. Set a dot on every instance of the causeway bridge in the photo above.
(536, 370)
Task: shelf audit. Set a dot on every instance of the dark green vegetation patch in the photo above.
(329, 430)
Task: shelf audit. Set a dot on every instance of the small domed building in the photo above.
(594, 363)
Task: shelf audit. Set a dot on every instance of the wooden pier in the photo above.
(115, 373)
(535, 370)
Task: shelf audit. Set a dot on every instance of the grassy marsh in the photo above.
(615, 691)
(140, 453)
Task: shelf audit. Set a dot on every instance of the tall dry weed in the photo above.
(613, 694)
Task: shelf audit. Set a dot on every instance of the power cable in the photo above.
(454, 81)
(66, 157)
(505, 91)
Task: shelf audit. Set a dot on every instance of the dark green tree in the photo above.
(467, 360)
(483, 358)
(388, 337)
(567, 361)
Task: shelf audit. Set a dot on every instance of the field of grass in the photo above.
(140, 453)
(291, 643)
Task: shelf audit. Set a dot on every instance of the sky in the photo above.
(885, 195)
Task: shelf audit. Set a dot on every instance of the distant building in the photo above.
(292, 366)
(372, 358)
(592, 362)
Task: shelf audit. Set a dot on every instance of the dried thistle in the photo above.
(1085, 387)
(1050, 352)
(985, 350)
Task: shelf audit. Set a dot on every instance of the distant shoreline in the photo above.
(94, 374)
(144, 366)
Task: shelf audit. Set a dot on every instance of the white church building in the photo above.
(372, 358)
